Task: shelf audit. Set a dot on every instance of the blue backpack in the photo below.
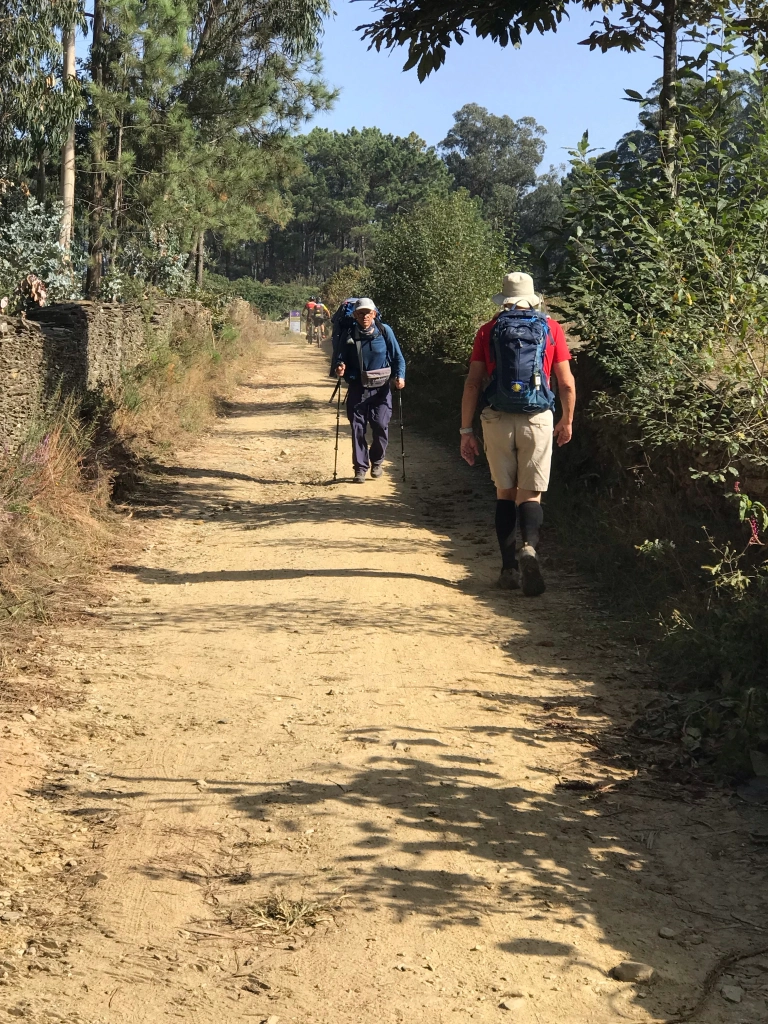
(519, 339)
(341, 320)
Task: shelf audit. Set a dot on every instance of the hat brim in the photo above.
(510, 300)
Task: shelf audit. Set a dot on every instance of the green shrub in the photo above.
(434, 273)
(350, 281)
(667, 286)
(29, 244)
(273, 301)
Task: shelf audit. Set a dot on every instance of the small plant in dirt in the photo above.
(279, 913)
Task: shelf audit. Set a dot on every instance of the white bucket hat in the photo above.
(516, 288)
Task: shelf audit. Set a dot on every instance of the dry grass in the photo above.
(54, 519)
(180, 391)
(278, 913)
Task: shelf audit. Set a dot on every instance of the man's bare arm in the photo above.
(567, 392)
(472, 388)
(473, 385)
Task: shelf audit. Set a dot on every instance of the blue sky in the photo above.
(567, 88)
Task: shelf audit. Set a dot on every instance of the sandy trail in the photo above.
(314, 690)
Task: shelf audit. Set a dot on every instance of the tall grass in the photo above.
(54, 518)
(178, 392)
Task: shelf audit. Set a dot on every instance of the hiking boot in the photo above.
(359, 476)
(509, 579)
(376, 470)
(532, 580)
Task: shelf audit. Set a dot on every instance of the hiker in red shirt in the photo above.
(515, 354)
(309, 317)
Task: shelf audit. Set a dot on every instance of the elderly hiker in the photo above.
(516, 353)
(366, 354)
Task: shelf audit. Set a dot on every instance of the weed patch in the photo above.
(278, 913)
(180, 390)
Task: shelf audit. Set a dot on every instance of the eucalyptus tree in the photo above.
(37, 103)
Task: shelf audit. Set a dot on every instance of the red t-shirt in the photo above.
(557, 353)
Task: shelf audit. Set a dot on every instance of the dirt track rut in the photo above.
(313, 692)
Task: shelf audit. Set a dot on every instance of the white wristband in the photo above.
(466, 430)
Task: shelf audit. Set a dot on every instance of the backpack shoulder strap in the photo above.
(355, 335)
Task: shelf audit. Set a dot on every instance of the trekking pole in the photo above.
(338, 386)
(402, 433)
(338, 417)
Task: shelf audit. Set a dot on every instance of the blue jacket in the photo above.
(379, 351)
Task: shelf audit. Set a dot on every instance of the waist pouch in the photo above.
(375, 378)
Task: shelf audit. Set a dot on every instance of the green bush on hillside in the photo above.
(434, 273)
(351, 281)
(667, 286)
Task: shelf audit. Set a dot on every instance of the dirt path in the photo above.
(313, 693)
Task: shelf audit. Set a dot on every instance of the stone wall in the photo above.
(78, 347)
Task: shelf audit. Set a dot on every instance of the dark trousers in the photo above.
(364, 406)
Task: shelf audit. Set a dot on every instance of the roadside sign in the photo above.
(295, 321)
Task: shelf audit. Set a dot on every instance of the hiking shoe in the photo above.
(376, 470)
(509, 579)
(531, 578)
(359, 476)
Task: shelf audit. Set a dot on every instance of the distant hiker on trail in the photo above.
(313, 314)
(319, 316)
(517, 351)
(366, 354)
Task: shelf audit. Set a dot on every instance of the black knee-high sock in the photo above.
(506, 517)
(531, 517)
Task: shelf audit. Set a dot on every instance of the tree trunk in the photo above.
(98, 144)
(40, 178)
(67, 187)
(117, 199)
(668, 95)
(200, 259)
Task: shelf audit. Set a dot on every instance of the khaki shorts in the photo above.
(518, 448)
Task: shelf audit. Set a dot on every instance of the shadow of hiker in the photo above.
(147, 575)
